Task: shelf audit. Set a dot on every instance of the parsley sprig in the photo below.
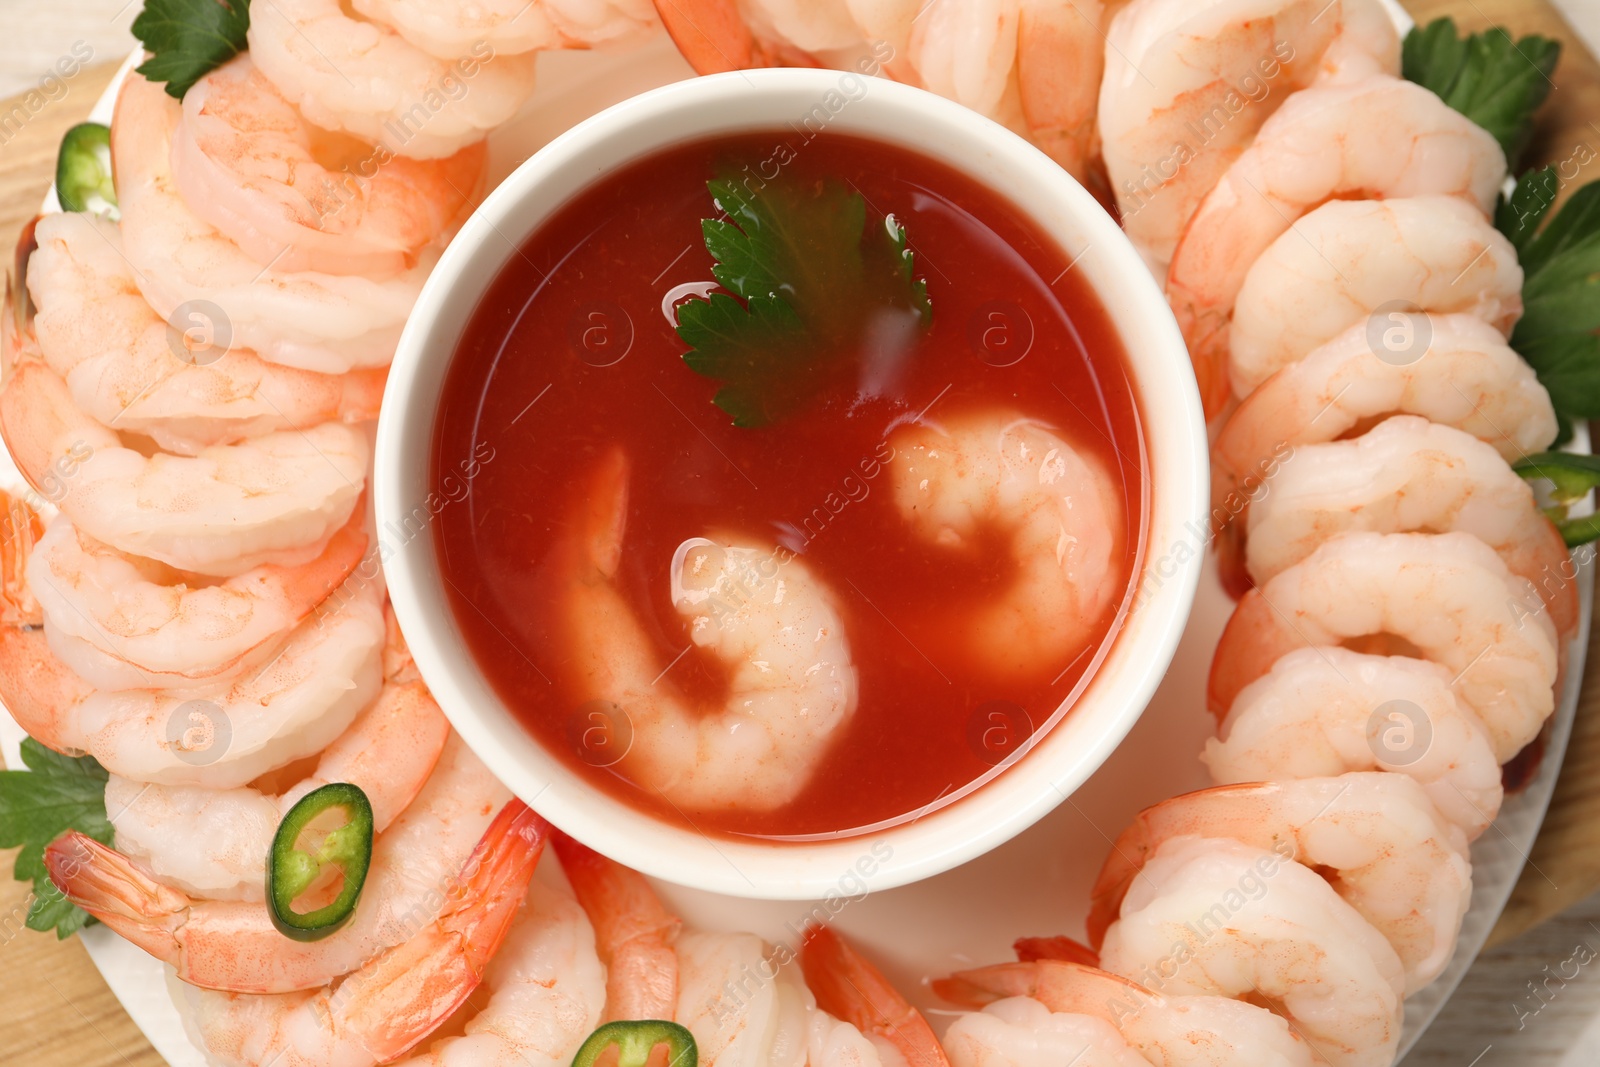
(55, 794)
(812, 291)
(187, 39)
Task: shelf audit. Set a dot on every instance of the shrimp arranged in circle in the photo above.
(246, 162)
(130, 371)
(1376, 137)
(1347, 259)
(1216, 917)
(774, 626)
(1447, 598)
(965, 479)
(1323, 711)
(453, 29)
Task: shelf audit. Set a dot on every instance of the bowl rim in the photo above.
(1162, 584)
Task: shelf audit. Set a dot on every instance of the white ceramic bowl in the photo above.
(1033, 781)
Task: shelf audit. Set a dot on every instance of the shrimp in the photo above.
(1187, 85)
(389, 752)
(1410, 474)
(119, 626)
(1465, 376)
(723, 35)
(246, 162)
(633, 933)
(1323, 711)
(1443, 597)
(850, 988)
(1290, 169)
(997, 472)
(328, 670)
(1269, 930)
(428, 854)
(1389, 853)
(350, 74)
(545, 990)
(1175, 1031)
(205, 285)
(791, 682)
(452, 30)
(272, 500)
(1021, 1032)
(129, 371)
(1350, 258)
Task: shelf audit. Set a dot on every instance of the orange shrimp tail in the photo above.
(1251, 643)
(1030, 949)
(434, 973)
(711, 34)
(118, 892)
(36, 687)
(20, 530)
(634, 932)
(311, 583)
(850, 988)
(984, 985)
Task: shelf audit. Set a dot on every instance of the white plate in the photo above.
(1039, 882)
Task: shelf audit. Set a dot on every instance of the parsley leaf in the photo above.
(1557, 333)
(187, 39)
(1491, 79)
(56, 794)
(813, 291)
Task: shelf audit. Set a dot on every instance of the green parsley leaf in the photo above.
(814, 290)
(1491, 79)
(1518, 216)
(1557, 333)
(56, 794)
(1571, 477)
(187, 39)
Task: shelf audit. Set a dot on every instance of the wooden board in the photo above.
(60, 1013)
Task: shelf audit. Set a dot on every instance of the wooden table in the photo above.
(59, 1012)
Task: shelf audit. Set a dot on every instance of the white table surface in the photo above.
(1530, 1003)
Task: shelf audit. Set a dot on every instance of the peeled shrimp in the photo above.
(346, 73)
(1324, 711)
(1216, 917)
(128, 370)
(1465, 376)
(1172, 1031)
(1444, 597)
(121, 627)
(1376, 137)
(1349, 258)
(1409, 474)
(1389, 853)
(723, 35)
(775, 626)
(1021, 1032)
(271, 500)
(975, 475)
(452, 30)
(1187, 85)
(431, 855)
(204, 284)
(545, 990)
(328, 670)
(246, 162)
(853, 990)
(388, 752)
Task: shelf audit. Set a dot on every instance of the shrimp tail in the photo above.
(118, 892)
(1059, 947)
(714, 37)
(849, 987)
(984, 985)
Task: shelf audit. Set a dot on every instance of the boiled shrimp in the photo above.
(1442, 597)
(453, 30)
(120, 626)
(351, 74)
(245, 161)
(851, 989)
(1350, 258)
(1284, 938)
(272, 500)
(1389, 853)
(1175, 1031)
(1054, 506)
(1409, 474)
(1021, 1032)
(1324, 711)
(1187, 86)
(129, 371)
(206, 286)
(431, 851)
(1376, 137)
(389, 752)
(792, 683)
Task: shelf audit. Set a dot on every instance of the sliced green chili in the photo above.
(83, 170)
(291, 869)
(1571, 476)
(635, 1040)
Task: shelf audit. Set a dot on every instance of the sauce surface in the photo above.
(569, 356)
